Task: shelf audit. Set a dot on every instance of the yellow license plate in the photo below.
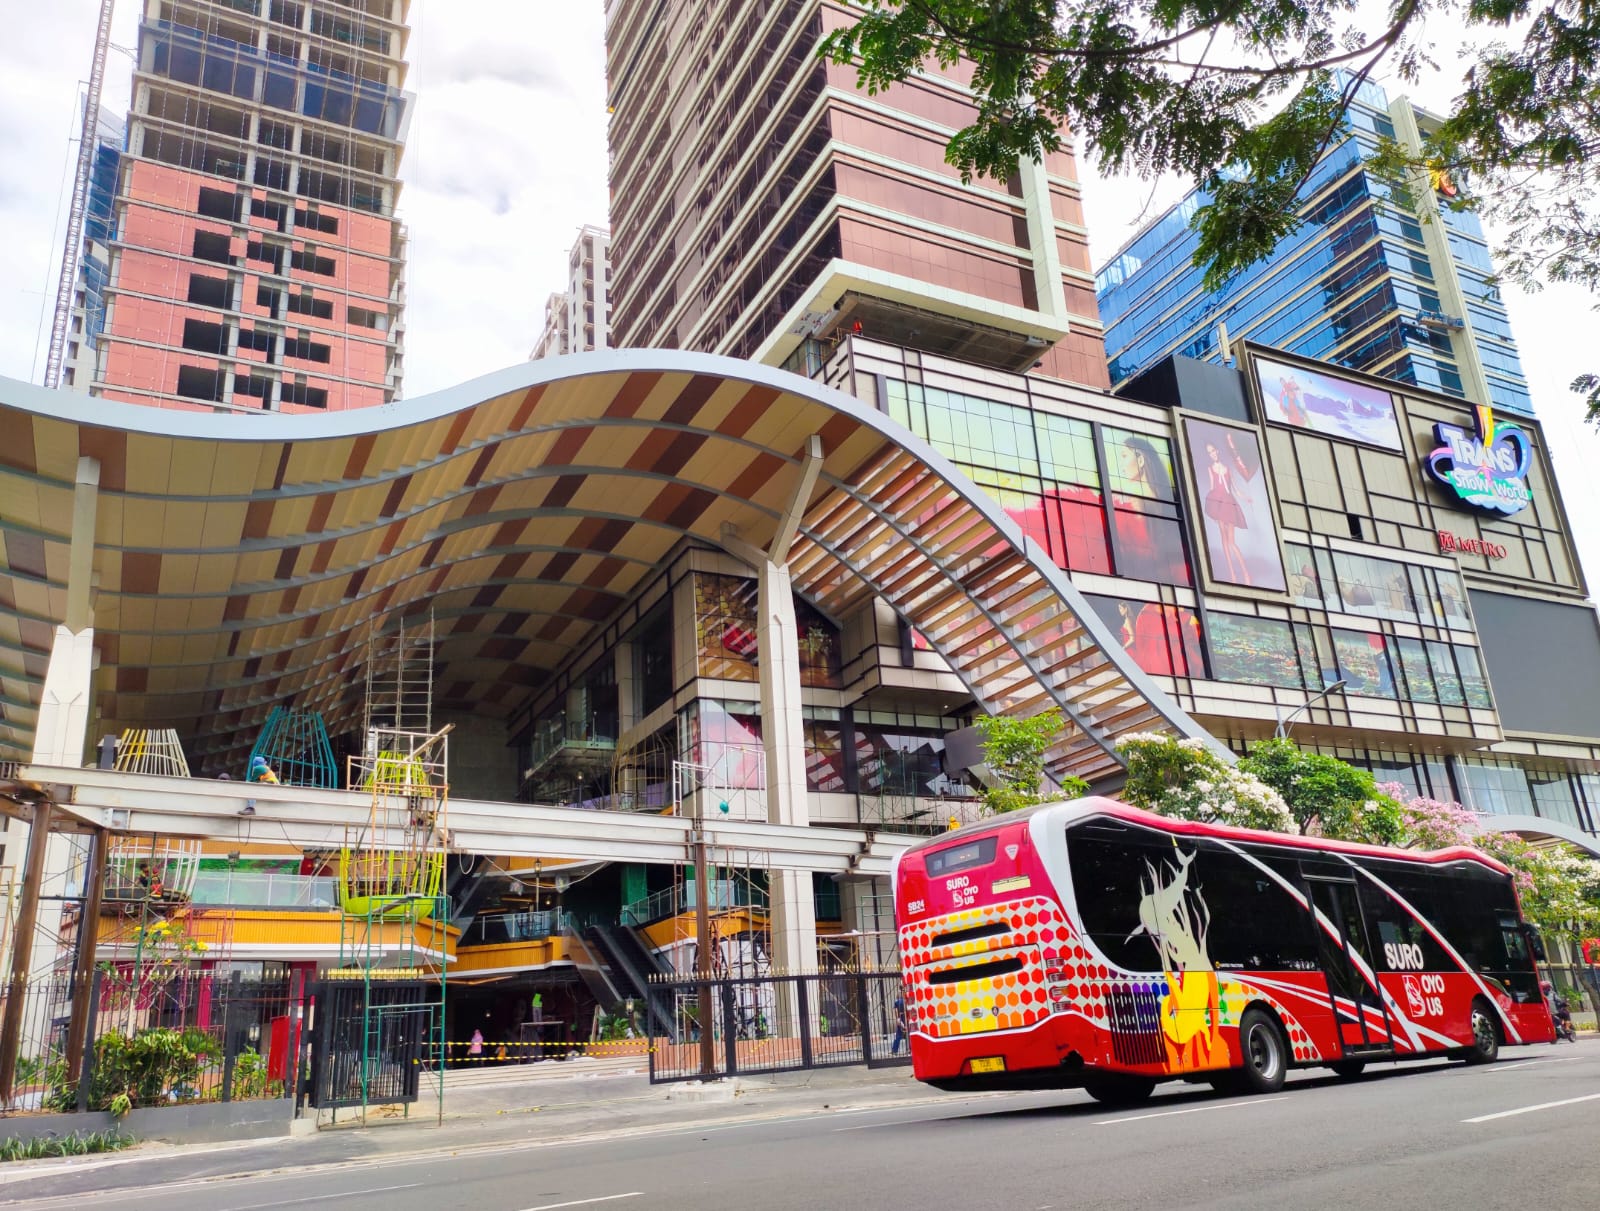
(990, 1063)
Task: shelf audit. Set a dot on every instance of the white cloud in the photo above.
(507, 158)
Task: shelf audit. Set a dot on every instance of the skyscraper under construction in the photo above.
(242, 252)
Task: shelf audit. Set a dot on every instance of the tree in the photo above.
(1326, 796)
(1184, 778)
(1014, 750)
(1244, 97)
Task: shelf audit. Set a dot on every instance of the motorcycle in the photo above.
(1563, 1021)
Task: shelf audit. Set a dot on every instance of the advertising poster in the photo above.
(1327, 405)
(1241, 537)
(1164, 639)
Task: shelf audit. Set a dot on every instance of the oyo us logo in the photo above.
(1487, 469)
(1470, 546)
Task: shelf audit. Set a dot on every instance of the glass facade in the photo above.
(1356, 284)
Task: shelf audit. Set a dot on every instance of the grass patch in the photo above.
(75, 1144)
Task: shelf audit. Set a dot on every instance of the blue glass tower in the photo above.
(1361, 283)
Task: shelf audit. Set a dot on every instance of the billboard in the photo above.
(1333, 407)
(1241, 536)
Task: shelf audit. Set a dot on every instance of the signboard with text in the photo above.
(1485, 469)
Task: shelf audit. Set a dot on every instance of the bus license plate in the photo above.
(989, 1063)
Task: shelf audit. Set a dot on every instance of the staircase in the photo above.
(631, 965)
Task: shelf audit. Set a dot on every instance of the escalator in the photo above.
(631, 965)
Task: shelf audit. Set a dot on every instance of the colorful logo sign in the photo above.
(1487, 469)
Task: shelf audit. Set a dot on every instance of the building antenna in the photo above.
(70, 250)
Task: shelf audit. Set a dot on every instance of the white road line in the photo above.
(1134, 1118)
(584, 1202)
(1518, 1065)
(1571, 1101)
(326, 1197)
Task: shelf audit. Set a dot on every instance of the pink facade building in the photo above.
(255, 261)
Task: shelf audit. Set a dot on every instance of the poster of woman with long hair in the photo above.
(1241, 536)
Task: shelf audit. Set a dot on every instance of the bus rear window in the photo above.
(962, 857)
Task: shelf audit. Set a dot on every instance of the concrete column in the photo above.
(1042, 235)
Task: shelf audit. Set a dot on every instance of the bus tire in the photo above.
(1485, 1048)
(1348, 1069)
(1117, 1089)
(1264, 1051)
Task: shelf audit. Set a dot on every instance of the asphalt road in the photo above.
(1520, 1133)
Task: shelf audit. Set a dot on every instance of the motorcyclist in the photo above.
(1560, 1013)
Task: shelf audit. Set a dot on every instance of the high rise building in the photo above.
(760, 201)
(1362, 283)
(94, 256)
(577, 319)
(254, 258)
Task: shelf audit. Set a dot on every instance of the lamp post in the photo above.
(1285, 722)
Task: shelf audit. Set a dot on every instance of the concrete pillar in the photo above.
(1037, 205)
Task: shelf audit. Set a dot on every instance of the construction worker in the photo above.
(259, 771)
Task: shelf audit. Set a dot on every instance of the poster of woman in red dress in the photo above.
(1241, 537)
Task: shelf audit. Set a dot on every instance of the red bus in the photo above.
(1093, 944)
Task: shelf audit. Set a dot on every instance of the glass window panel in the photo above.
(1066, 449)
(1379, 587)
(1489, 786)
(1364, 663)
(1553, 796)
(1414, 666)
(1474, 684)
(1330, 582)
(725, 737)
(1138, 464)
(1305, 583)
(824, 756)
(725, 626)
(1150, 548)
(1164, 639)
(1451, 603)
(1445, 676)
(1256, 651)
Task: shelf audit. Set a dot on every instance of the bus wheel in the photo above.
(1349, 1069)
(1485, 1047)
(1265, 1053)
(1115, 1089)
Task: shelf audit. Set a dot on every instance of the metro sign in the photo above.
(1487, 469)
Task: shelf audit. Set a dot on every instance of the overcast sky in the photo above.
(507, 158)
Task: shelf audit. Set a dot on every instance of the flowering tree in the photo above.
(1326, 796)
(1184, 778)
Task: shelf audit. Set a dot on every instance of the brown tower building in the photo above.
(761, 202)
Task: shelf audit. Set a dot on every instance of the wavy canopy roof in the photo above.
(242, 561)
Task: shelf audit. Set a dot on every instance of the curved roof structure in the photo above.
(241, 562)
(1541, 830)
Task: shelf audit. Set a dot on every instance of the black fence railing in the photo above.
(763, 1024)
(159, 1035)
(370, 1040)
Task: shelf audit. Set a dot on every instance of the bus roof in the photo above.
(1067, 810)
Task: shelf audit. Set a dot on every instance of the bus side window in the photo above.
(1399, 941)
(1110, 869)
(1254, 924)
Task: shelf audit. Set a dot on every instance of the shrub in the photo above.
(63, 1145)
(148, 1069)
(1014, 750)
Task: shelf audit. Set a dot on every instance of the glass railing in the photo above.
(670, 901)
(257, 889)
(504, 927)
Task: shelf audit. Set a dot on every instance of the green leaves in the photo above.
(1326, 796)
(1014, 750)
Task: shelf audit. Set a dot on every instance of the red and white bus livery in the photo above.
(1090, 943)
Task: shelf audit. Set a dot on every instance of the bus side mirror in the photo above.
(1535, 942)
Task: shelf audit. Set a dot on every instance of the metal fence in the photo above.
(242, 1035)
(763, 1024)
(370, 1040)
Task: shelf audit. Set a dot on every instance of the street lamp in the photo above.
(1285, 722)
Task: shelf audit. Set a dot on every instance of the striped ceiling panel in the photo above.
(242, 563)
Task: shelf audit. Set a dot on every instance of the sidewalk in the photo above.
(519, 1105)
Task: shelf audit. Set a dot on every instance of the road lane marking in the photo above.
(584, 1202)
(1517, 1065)
(325, 1197)
(1571, 1101)
(1134, 1118)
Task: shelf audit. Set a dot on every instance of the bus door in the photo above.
(1357, 1006)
